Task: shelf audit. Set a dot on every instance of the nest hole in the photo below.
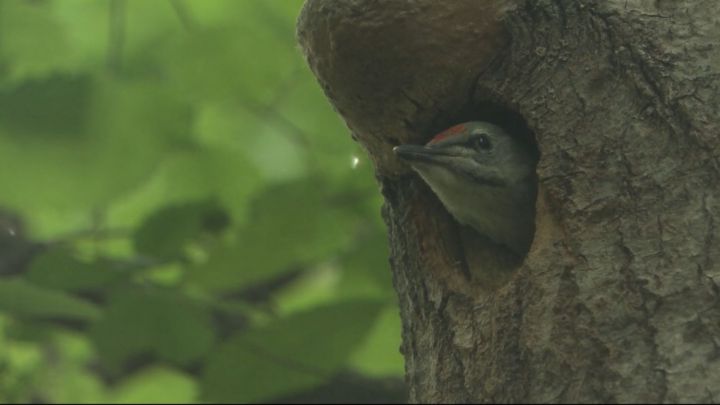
(488, 264)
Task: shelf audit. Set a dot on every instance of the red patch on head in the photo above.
(457, 129)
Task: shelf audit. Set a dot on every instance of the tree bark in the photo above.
(618, 299)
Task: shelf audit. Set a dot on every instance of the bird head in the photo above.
(475, 152)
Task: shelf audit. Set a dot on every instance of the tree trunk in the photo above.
(618, 298)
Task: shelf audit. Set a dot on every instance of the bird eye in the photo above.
(482, 142)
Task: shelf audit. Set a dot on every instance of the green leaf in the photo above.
(155, 385)
(290, 225)
(265, 19)
(71, 383)
(333, 150)
(366, 269)
(289, 355)
(379, 355)
(227, 49)
(40, 109)
(57, 179)
(58, 268)
(276, 152)
(21, 298)
(152, 321)
(20, 362)
(67, 379)
(166, 233)
(32, 42)
(314, 287)
(219, 174)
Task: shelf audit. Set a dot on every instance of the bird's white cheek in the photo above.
(447, 186)
(437, 177)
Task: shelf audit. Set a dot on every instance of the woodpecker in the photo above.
(484, 177)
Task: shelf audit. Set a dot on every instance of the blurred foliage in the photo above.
(183, 218)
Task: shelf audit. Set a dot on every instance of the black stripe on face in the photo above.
(434, 155)
(478, 179)
(420, 153)
(486, 181)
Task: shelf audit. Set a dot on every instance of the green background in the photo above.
(183, 218)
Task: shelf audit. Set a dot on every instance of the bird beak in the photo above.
(419, 153)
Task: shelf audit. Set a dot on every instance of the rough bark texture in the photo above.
(618, 300)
